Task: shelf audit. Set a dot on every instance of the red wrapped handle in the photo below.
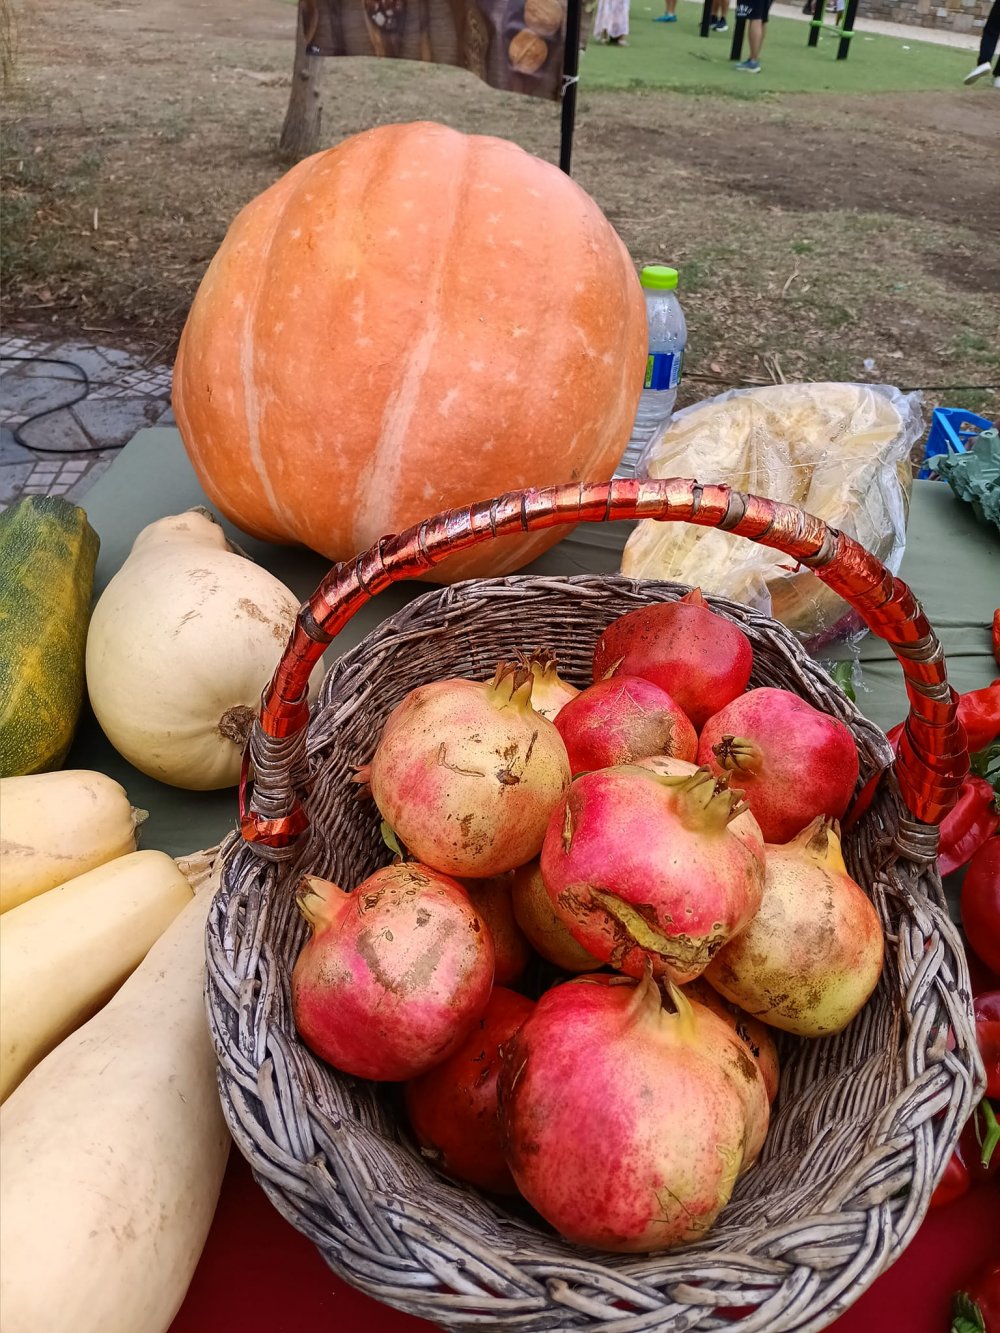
(932, 760)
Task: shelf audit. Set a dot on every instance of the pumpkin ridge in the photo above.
(251, 392)
(382, 478)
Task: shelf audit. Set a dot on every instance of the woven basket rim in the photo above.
(300, 1188)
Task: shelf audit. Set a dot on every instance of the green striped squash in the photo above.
(48, 552)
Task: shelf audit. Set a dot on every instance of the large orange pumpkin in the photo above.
(412, 320)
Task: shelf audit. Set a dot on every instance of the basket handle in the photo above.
(932, 759)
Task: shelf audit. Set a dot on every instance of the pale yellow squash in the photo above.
(114, 1150)
(181, 644)
(64, 954)
(55, 826)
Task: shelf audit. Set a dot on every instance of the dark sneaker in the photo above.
(749, 66)
(720, 26)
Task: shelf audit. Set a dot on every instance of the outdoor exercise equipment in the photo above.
(844, 31)
(739, 28)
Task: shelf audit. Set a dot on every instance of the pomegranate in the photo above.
(537, 918)
(394, 974)
(743, 824)
(492, 900)
(622, 719)
(626, 1124)
(453, 1107)
(644, 869)
(754, 1034)
(812, 955)
(549, 692)
(700, 658)
(468, 774)
(792, 761)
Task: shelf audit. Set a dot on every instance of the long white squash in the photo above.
(114, 1150)
(55, 826)
(65, 953)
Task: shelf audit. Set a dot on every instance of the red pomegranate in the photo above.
(700, 658)
(792, 761)
(492, 900)
(620, 720)
(645, 871)
(393, 975)
(626, 1124)
(453, 1107)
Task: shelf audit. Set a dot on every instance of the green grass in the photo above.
(673, 56)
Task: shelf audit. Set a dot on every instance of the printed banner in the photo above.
(516, 45)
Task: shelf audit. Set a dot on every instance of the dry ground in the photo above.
(812, 231)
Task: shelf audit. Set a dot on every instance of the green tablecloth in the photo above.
(952, 562)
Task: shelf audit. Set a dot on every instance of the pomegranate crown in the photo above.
(511, 684)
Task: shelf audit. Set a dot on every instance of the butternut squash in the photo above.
(55, 826)
(64, 954)
(114, 1149)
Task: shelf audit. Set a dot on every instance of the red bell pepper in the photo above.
(996, 635)
(980, 905)
(954, 1182)
(986, 1009)
(971, 821)
(977, 1308)
(979, 714)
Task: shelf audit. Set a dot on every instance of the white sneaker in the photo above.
(977, 73)
(996, 82)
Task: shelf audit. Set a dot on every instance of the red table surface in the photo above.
(259, 1275)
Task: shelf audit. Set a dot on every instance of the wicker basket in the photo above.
(865, 1120)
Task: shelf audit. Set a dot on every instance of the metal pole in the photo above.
(847, 30)
(816, 24)
(571, 66)
(706, 17)
(736, 50)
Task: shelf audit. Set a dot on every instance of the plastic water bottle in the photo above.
(667, 339)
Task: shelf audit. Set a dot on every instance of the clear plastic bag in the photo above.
(840, 451)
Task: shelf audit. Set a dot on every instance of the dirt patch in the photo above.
(813, 232)
(805, 160)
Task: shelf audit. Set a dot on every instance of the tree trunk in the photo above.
(300, 132)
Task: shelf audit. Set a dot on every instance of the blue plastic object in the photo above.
(951, 430)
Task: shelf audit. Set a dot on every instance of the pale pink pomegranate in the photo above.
(623, 719)
(645, 871)
(468, 774)
(791, 761)
(625, 1123)
(492, 900)
(537, 918)
(814, 952)
(394, 974)
(453, 1107)
(754, 1034)
(700, 658)
(549, 692)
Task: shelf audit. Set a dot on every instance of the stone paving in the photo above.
(63, 453)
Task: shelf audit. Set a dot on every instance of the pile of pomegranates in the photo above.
(603, 901)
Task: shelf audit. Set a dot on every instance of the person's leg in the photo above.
(991, 34)
(755, 31)
(987, 46)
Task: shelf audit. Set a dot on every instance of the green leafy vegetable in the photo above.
(975, 475)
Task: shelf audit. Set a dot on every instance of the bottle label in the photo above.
(663, 370)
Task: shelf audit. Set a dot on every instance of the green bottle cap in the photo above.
(658, 277)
